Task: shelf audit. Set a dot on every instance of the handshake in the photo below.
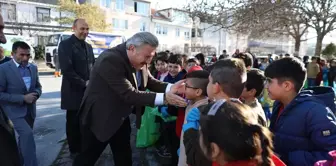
(172, 98)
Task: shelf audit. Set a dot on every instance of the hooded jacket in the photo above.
(305, 130)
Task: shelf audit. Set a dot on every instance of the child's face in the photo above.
(275, 89)
(247, 94)
(190, 65)
(161, 66)
(191, 92)
(212, 89)
(174, 69)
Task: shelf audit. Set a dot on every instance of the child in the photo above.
(191, 62)
(303, 124)
(226, 80)
(171, 140)
(175, 63)
(247, 58)
(195, 92)
(253, 88)
(227, 136)
(161, 65)
(312, 71)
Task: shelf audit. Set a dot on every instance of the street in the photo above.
(49, 130)
(49, 127)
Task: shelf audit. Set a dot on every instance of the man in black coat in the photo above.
(76, 60)
(9, 154)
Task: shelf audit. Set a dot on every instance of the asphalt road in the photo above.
(49, 127)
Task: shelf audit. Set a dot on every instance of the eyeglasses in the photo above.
(187, 86)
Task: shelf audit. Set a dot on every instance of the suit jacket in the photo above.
(113, 93)
(75, 63)
(9, 154)
(13, 89)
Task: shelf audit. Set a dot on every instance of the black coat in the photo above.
(76, 64)
(9, 154)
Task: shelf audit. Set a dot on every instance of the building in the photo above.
(31, 18)
(127, 17)
(173, 29)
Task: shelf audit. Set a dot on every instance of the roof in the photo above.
(52, 2)
(157, 15)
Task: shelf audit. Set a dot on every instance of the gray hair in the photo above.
(142, 38)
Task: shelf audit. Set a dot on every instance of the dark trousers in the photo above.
(171, 141)
(73, 131)
(119, 143)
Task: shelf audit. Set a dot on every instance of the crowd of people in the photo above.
(222, 112)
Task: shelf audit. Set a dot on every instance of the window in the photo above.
(119, 24)
(161, 30)
(143, 27)
(177, 32)
(193, 32)
(158, 29)
(8, 11)
(120, 4)
(105, 3)
(164, 30)
(187, 35)
(141, 8)
(42, 14)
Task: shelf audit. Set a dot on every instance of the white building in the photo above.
(173, 29)
(31, 18)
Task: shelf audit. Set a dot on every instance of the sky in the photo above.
(162, 4)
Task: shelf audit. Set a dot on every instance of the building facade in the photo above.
(31, 18)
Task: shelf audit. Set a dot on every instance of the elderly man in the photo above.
(9, 154)
(117, 87)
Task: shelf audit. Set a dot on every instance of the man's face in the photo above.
(174, 69)
(21, 56)
(2, 27)
(141, 56)
(81, 29)
(2, 52)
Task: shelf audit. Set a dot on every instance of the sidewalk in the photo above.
(43, 68)
(140, 157)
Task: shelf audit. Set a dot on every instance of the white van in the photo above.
(98, 40)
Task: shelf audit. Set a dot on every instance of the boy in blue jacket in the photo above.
(302, 122)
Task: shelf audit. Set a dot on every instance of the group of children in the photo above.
(224, 123)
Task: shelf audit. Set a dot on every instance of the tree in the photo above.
(322, 17)
(256, 18)
(329, 50)
(93, 14)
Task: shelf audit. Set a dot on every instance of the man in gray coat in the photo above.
(19, 89)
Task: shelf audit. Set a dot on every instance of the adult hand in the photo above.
(175, 100)
(178, 87)
(193, 115)
(30, 98)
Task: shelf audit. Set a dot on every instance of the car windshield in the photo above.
(53, 40)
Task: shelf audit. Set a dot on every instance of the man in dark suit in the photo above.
(117, 87)
(76, 60)
(9, 154)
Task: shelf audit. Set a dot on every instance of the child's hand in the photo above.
(164, 112)
(193, 115)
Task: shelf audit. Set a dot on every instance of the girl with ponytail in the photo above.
(229, 137)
